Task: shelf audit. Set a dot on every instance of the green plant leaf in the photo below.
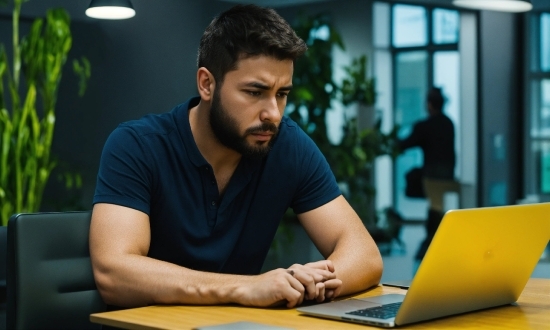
(83, 71)
(26, 130)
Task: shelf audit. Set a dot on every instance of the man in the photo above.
(435, 136)
(187, 202)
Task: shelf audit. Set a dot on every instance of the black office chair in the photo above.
(50, 284)
(3, 256)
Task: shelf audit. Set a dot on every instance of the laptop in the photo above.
(479, 258)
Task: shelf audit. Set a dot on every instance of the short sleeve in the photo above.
(124, 176)
(317, 184)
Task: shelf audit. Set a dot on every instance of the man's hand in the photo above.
(313, 281)
(273, 288)
(318, 279)
(342, 238)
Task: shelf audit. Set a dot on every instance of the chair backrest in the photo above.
(3, 264)
(50, 282)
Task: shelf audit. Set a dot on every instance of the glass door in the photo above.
(411, 85)
(425, 51)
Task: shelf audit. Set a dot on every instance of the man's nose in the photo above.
(271, 110)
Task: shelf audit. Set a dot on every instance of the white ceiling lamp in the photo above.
(111, 9)
(513, 6)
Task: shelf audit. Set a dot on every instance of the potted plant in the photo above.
(314, 90)
(27, 108)
(352, 158)
(356, 87)
(359, 91)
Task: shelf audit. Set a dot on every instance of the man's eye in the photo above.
(282, 95)
(254, 93)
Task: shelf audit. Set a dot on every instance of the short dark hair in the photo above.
(435, 98)
(244, 31)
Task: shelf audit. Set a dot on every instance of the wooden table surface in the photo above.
(532, 311)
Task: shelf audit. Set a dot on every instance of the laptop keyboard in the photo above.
(379, 312)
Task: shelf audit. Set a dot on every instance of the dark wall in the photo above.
(500, 117)
(146, 64)
(352, 18)
(142, 65)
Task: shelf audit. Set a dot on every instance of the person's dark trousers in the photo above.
(434, 218)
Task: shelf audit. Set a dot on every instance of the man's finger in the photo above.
(334, 285)
(322, 264)
(318, 274)
(321, 289)
(296, 286)
(308, 282)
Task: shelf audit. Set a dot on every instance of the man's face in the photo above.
(247, 108)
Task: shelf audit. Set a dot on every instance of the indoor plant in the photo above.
(359, 91)
(356, 86)
(28, 95)
(352, 158)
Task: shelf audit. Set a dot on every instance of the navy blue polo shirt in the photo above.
(153, 165)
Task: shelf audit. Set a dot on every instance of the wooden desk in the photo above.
(531, 312)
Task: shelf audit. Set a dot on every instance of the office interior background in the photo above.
(494, 68)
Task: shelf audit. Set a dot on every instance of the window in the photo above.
(425, 53)
(416, 47)
(545, 41)
(409, 26)
(537, 162)
(445, 26)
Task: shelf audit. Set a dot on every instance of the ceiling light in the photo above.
(513, 6)
(110, 9)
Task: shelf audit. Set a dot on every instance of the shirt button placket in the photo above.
(213, 203)
(212, 220)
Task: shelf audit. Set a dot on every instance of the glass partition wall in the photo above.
(425, 53)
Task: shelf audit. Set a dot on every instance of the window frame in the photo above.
(534, 75)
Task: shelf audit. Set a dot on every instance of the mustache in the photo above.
(263, 127)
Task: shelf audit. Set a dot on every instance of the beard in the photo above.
(226, 130)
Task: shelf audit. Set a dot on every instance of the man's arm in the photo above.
(125, 276)
(342, 238)
(414, 139)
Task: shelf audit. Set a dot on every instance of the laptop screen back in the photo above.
(479, 258)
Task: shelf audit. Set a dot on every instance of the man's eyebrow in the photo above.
(266, 87)
(286, 88)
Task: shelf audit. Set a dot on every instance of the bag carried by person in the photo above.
(415, 185)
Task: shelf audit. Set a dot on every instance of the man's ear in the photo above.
(205, 83)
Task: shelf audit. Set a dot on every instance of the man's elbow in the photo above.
(377, 270)
(105, 285)
(374, 267)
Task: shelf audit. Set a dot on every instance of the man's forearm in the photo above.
(135, 280)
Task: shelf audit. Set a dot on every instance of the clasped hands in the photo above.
(312, 281)
(318, 279)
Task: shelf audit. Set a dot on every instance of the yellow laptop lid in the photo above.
(479, 258)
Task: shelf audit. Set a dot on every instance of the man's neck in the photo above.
(223, 160)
